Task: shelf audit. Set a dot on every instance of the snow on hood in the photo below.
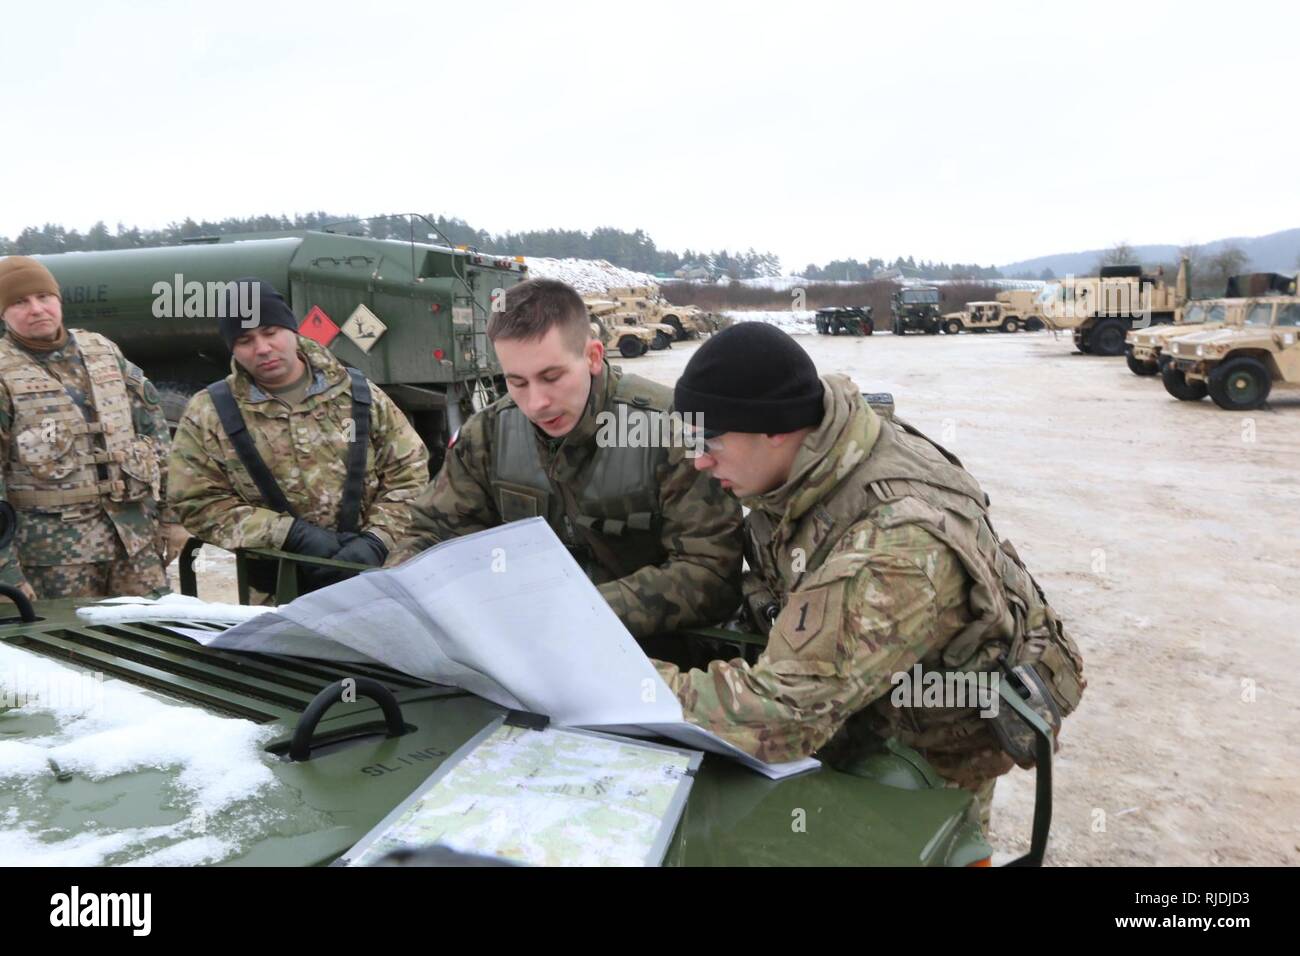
(103, 728)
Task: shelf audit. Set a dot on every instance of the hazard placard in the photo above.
(364, 328)
(319, 327)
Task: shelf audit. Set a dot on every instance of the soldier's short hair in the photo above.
(534, 306)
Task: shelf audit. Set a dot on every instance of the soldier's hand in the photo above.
(365, 548)
(307, 538)
(174, 538)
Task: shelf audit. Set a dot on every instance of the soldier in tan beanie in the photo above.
(82, 445)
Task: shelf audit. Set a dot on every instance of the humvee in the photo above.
(1238, 367)
(1100, 310)
(982, 317)
(851, 320)
(330, 768)
(612, 326)
(1144, 349)
(684, 321)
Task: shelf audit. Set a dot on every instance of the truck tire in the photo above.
(1139, 367)
(1107, 337)
(662, 340)
(1010, 325)
(868, 327)
(953, 327)
(1240, 384)
(1176, 384)
(174, 396)
(630, 347)
(1033, 325)
(678, 332)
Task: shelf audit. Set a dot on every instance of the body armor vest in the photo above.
(924, 484)
(60, 460)
(608, 516)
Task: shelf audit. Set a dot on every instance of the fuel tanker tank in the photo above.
(411, 316)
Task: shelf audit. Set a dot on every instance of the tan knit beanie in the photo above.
(21, 277)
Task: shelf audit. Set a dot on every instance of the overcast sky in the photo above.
(985, 132)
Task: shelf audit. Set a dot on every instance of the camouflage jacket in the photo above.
(878, 556)
(677, 567)
(305, 447)
(87, 532)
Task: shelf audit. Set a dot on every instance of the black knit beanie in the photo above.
(751, 377)
(272, 310)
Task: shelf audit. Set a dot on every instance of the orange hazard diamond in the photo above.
(319, 327)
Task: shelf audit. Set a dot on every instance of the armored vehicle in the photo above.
(287, 770)
(982, 317)
(684, 321)
(411, 316)
(1024, 305)
(1238, 367)
(1144, 349)
(1100, 310)
(849, 320)
(916, 309)
(620, 329)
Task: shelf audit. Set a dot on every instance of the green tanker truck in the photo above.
(411, 316)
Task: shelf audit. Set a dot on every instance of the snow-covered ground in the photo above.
(588, 275)
(796, 323)
(783, 283)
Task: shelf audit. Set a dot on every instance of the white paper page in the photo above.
(512, 602)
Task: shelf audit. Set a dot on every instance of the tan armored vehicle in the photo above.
(1238, 367)
(1144, 349)
(1101, 310)
(1024, 305)
(682, 321)
(982, 317)
(610, 324)
(639, 305)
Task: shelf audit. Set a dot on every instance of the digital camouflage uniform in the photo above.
(84, 441)
(879, 554)
(660, 540)
(306, 450)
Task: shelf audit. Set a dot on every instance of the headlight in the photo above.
(1200, 351)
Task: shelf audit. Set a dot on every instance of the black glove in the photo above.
(365, 548)
(306, 538)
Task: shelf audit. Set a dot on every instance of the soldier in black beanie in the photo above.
(253, 303)
(870, 554)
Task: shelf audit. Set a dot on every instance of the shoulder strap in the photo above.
(237, 432)
(354, 484)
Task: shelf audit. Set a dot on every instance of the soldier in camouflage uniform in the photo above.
(82, 441)
(301, 411)
(870, 551)
(660, 541)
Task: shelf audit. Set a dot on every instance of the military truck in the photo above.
(619, 329)
(849, 320)
(1144, 349)
(411, 316)
(916, 309)
(326, 768)
(982, 317)
(1238, 367)
(1100, 310)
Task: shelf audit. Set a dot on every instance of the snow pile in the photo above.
(795, 323)
(588, 275)
(103, 728)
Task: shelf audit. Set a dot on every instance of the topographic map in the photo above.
(550, 797)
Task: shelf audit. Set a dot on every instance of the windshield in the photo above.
(1261, 314)
(921, 296)
(1217, 313)
(1289, 315)
(1194, 315)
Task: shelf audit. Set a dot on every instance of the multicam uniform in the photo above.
(83, 440)
(878, 554)
(305, 448)
(660, 540)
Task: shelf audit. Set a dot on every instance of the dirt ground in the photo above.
(1167, 534)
